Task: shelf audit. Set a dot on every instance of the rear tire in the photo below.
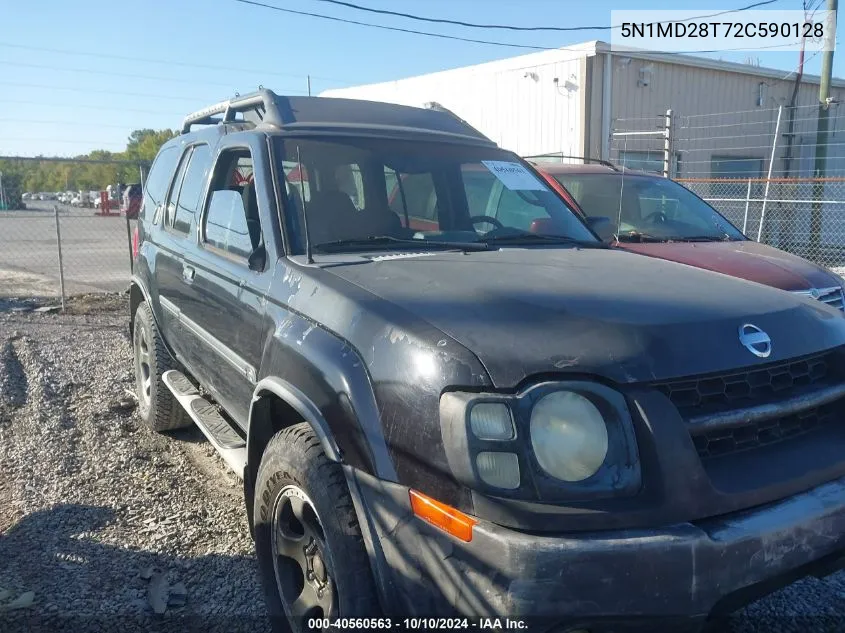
(157, 406)
(310, 551)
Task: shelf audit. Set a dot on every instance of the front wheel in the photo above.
(310, 550)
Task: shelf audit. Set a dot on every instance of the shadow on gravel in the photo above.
(82, 584)
(13, 382)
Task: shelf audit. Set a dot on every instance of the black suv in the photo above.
(446, 397)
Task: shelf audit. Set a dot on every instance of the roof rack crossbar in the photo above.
(586, 159)
(263, 102)
(434, 105)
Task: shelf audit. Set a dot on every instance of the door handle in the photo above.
(188, 273)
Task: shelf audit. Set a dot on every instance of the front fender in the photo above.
(326, 382)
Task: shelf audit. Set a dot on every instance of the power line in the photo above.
(490, 42)
(509, 27)
(125, 75)
(120, 94)
(91, 107)
(164, 61)
(58, 122)
(60, 140)
(392, 28)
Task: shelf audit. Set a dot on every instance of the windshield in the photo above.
(652, 208)
(416, 193)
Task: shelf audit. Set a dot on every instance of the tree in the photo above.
(141, 148)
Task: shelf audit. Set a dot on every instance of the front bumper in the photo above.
(686, 570)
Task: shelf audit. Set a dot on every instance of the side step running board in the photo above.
(214, 426)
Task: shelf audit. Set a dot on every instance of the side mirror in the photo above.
(604, 227)
(257, 258)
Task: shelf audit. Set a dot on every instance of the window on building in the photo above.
(733, 173)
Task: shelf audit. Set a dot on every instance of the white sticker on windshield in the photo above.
(514, 176)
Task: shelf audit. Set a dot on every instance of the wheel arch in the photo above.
(138, 293)
(276, 405)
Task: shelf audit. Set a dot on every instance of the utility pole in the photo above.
(821, 138)
(309, 85)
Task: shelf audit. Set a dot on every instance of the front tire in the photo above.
(157, 406)
(310, 550)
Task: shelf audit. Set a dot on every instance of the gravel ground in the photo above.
(101, 520)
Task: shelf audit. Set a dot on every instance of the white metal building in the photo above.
(571, 100)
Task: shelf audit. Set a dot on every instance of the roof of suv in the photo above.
(273, 112)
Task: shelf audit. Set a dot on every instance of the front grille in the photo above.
(710, 403)
(730, 440)
(833, 297)
(749, 387)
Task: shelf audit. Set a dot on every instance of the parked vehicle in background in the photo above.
(131, 201)
(655, 216)
(431, 417)
(26, 196)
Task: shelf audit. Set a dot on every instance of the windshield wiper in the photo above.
(538, 238)
(703, 238)
(636, 236)
(386, 241)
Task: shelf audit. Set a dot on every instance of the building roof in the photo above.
(705, 62)
(591, 48)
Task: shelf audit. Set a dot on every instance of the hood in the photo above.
(749, 260)
(525, 312)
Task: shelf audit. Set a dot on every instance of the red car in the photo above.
(656, 216)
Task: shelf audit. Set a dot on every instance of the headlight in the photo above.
(568, 435)
(556, 441)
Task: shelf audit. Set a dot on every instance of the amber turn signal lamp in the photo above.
(440, 515)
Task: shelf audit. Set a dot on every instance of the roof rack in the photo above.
(586, 159)
(262, 103)
(434, 105)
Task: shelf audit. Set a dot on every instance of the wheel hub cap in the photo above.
(303, 575)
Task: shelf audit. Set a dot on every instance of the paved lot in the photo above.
(95, 251)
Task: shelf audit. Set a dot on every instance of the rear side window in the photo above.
(159, 176)
(170, 206)
(192, 188)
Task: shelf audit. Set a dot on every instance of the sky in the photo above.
(77, 76)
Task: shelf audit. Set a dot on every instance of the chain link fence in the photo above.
(61, 243)
(763, 169)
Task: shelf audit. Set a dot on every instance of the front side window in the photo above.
(648, 208)
(232, 223)
(416, 193)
